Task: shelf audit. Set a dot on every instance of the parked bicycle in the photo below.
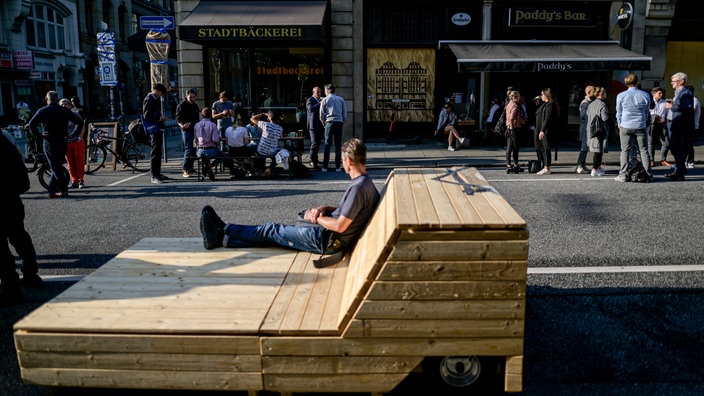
(128, 151)
(40, 164)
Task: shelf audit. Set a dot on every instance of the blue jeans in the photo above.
(206, 153)
(333, 131)
(304, 238)
(55, 151)
(188, 150)
(630, 140)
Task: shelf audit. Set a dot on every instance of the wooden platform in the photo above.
(440, 270)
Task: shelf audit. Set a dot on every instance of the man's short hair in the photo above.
(679, 76)
(206, 112)
(52, 96)
(191, 91)
(330, 87)
(355, 150)
(223, 94)
(657, 89)
(159, 87)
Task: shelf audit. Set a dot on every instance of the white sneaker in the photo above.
(594, 172)
(450, 148)
(620, 179)
(689, 165)
(545, 171)
(581, 169)
(324, 170)
(461, 140)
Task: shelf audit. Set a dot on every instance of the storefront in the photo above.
(264, 54)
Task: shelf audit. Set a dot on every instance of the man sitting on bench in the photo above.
(337, 228)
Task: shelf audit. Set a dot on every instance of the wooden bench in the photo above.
(440, 270)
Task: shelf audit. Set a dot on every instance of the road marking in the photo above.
(612, 270)
(125, 180)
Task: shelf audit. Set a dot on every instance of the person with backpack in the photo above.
(597, 128)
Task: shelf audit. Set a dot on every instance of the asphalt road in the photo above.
(616, 270)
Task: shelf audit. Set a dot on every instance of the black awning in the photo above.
(544, 56)
(255, 21)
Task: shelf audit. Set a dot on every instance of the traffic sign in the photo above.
(108, 76)
(156, 22)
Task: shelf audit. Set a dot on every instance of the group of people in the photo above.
(219, 131)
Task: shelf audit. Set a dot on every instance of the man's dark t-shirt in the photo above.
(358, 203)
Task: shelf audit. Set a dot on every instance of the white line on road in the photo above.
(612, 270)
(125, 180)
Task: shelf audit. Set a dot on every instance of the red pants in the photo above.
(75, 157)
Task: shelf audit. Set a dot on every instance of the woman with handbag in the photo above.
(597, 129)
(545, 126)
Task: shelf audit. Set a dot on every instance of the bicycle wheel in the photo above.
(44, 175)
(95, 159)
(138, 156)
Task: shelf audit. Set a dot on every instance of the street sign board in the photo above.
(108, 74)
(156, 22)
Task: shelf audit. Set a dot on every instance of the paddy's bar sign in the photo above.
(548, 16)
(208, 33)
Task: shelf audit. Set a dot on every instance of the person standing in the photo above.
(689, 161)
(55, 133)
(545, 127)
(632, 109)
(597, 128)
(315, 127)
(659, 115)
(223, 110)
(75, 151)
(187, 116)
(514, 114)
(584, 139)
(12, 230)
(333, 114)
(151, 112)
(682, 114)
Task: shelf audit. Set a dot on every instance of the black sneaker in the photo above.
(32, 280)
(213, 216)
(212, 234)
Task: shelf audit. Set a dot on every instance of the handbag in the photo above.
(150, 128)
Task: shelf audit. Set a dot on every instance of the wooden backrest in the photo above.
(422, 199)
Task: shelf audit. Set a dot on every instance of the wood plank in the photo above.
(427, 212)
(452, 310)
(143, 379)
(501, 206)
(441, 328)
(460, 250)
(513, 380)
(340, 346)
(146, 343)
(280, 306)
(454, 270)
(400, 189)
(333, 383)
(446, 209)
(462, 233)
(307, 365)
(439, 291)
(141, 361)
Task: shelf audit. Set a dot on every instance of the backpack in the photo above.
(136, 129)
(534, 166)
(637, 174)
(596, 128)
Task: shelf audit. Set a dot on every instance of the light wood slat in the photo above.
(334, 346)
(141, 361)
(513, 381)
(280, 306)
(453, 310)
(460, 250)
(147, 343)
(461, 290)
(307, 365)
(424, 207)
(454, 270)
(441, 328)
(400, 189)
(141, 379)
(501, 206)
(333, 304)
(467, 215)
(463, 234)
(333, 382)
(446, 208)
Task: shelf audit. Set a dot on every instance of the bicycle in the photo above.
(130, 152)
(40, 163)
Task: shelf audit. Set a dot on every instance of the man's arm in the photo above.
(319, 216)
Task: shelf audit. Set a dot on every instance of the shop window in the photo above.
(399, 24)
(45, 28)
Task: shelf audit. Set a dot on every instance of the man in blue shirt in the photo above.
(338, 227)
(55, 119)
(332, 114)
(632, 108)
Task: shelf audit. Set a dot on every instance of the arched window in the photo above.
(45, 28)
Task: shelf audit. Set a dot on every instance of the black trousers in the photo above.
(12, 231)
(157, 141)
(316, 138)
